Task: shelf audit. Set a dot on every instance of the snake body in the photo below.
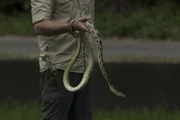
(90, 62)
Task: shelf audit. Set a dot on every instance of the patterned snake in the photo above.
(90, 60)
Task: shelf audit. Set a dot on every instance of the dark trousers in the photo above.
(60, 104)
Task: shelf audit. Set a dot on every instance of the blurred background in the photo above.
(141, 54)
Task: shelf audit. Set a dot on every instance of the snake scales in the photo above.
(90, 61)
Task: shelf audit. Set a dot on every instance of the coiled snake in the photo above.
(90, 60)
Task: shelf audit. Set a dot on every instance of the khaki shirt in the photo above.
(62, 47)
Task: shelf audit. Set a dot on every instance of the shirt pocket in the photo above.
(64, 5)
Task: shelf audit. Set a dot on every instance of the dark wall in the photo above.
(146, 84)
(143, 83)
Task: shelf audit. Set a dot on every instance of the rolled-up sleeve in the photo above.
(41, 10)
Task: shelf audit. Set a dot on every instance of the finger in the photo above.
(84, 28)
(84, 19)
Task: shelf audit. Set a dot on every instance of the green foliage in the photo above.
(158, 22)
(18, 25)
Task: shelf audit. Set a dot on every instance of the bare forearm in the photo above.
(50, 28)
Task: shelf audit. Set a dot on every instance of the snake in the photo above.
(90, 61)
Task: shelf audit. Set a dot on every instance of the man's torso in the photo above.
(62, 47)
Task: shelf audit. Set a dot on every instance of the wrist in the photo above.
(74, 26)
(71, 28)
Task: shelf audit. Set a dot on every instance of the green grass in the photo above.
(107, 59)
(144, 59)
(9, 56)
(138, 114)
(33, 112)
(20, 112)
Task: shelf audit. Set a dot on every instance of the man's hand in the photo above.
(50, 28)
(79, 24)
